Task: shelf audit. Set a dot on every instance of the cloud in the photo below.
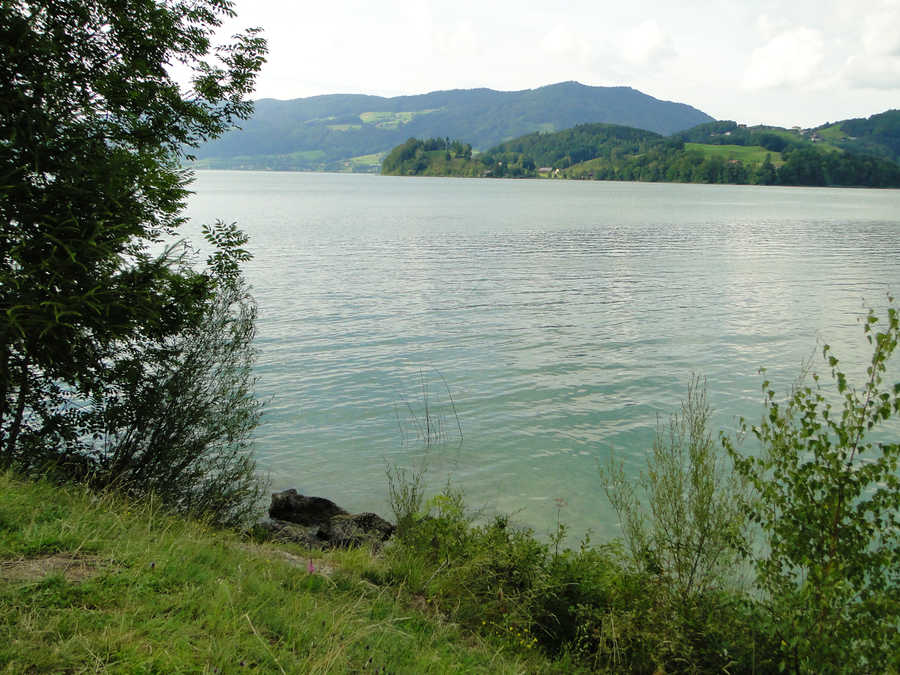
(861, 72)
(791, 58)
(460, 40)
(877, 63)
(881, 32)
(564, 43)
(769, 27)
(646, 44)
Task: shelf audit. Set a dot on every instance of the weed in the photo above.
(406, 492)
(426, 422)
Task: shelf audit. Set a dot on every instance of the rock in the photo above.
(295, 508)
(281, 530)
(316, 522)
(359, 529)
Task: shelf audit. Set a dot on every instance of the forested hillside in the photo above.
(718, 152)
(877, 135)
(354, 132)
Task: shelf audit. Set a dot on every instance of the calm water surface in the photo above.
(562, 317)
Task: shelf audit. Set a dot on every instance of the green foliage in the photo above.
(179, 425)
(711, 153)
(695, 163)
(684, 531)
(810, 166)
(406, 494)
(878, 135)
(827, 500)
(587, 604)
(748, 154)
(96, 330)
(691, 530)
(774, 139)
(431, 157)
(571, 146)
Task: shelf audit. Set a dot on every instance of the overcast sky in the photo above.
(769, 61)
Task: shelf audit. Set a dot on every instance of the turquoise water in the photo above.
(561, 317)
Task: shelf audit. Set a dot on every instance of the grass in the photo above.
(373, 159)
(300, 159)
(750, 154)
(392, 120)
(364, 163)
(833, 133)
(96, 584)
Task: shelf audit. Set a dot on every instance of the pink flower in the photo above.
(310, 567)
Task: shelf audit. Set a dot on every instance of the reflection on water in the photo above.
(564, 317)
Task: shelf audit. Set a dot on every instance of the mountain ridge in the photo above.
(354, 131)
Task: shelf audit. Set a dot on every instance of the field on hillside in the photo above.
(749, 154)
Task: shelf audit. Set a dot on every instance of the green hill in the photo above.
(330, 132)
(878, 135)
(718, 152)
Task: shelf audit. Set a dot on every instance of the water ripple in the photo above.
(564, 317)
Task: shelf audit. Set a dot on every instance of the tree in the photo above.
(802, 166)
(766, 174)
(827, 501)
(93, 128)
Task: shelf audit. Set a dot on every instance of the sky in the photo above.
(764, 62)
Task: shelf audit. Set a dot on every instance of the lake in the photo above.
(542, 323)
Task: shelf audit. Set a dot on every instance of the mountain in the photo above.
(354, 132)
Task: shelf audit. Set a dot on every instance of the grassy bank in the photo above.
(98, 584)
(94, 583)
(91, 582)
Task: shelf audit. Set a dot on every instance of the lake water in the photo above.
(562, 318)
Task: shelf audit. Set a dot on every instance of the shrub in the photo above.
(405, 496)
(179, 424)
(692, 528)
(827, 501)
(587, 604)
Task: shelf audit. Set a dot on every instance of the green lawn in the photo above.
(392, 120)
(752, 154)
(98, 584)
(832, 133)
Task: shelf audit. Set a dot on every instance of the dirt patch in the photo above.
(319, 566)
(72, 566)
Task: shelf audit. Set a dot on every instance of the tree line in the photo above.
(611, 152)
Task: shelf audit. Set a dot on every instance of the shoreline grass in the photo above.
(94, 583)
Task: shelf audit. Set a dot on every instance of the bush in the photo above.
(684, 530)
(179, 425)
(405, 496)
(692, 529)
(588, 605)
(828, 503)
